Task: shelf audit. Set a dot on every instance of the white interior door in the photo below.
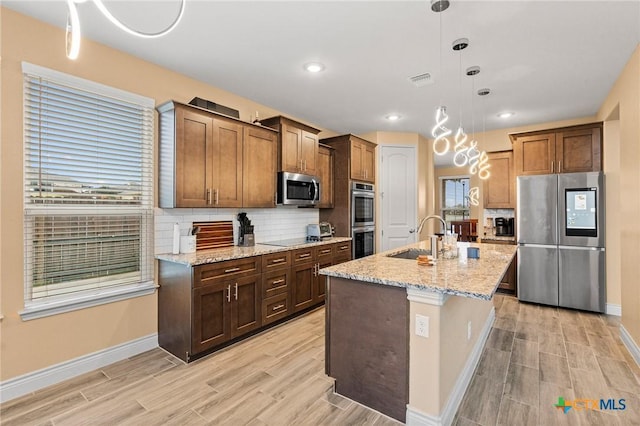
(398, 194)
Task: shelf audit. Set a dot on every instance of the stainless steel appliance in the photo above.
(561, 254)
(363, 229)
(504, 226)
(362, 205)
(319, 230)
(298, 189)
(363, 243)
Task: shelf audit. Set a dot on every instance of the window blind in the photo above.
(88, 187)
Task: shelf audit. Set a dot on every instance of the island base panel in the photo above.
(368, 344)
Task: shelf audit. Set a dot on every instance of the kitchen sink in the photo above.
(411, 254)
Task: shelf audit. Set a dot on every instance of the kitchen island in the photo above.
(377, 306)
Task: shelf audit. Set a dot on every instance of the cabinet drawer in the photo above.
(206, 274)
(276, 282)
(303, 255)
(341, 248)
(341, 258)
(325, 251)
(276, 260)
(275, 308)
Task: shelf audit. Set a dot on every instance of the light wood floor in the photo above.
(533, 355)
(536, 354)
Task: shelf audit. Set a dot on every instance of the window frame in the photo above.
(53, 305)
(466, 211)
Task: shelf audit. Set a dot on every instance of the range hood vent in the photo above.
(421, 79)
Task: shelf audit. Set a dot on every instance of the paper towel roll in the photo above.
(176, 239)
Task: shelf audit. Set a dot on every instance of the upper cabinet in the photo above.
(209, 160)
(565, 150)
(361, 154)
(499, 189)
(297, 147)
(325, 173)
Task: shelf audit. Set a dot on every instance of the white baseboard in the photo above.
(33, 381)
(416, 417)
(631, 344)
(612, 309)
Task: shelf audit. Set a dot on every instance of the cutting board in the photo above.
(214, 234)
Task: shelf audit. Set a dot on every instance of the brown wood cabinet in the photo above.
(325, 173)
(297, 145)
(361, 156)
(209, 160)
(259, 168)
(563, 150)
(499, 190)
(509, 281)
(205, 307)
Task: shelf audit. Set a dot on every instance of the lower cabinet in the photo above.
(509, 279)
(203, 307)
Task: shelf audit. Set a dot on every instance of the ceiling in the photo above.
(545, 61)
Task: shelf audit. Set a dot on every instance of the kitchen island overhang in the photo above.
(373, 302)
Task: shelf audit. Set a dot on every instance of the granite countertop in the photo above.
(475, 278)
(489, 238)
(202, 257)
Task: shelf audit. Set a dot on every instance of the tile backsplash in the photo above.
(280, 223)
(488, 219)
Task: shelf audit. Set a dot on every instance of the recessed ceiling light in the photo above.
(314, 67)
(506, 114)
(393, 117)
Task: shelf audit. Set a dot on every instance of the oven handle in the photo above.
(364, 194)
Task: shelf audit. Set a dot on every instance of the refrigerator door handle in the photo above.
(551, 246)
(581, 248)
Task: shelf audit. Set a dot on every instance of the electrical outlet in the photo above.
(422, 325)
(469, 330)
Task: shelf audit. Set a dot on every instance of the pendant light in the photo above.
(440, 133)
(73, 34)
(460, 158)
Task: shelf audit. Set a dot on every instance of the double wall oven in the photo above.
(362, 219)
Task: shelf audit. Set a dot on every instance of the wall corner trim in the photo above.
(30, 382)
(426, 296)
(631, 344)
(416, 417)
(613, 309)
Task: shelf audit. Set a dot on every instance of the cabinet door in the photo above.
(259, 168)
(499, 190)
(357, 154)
(290, 149)
(369, 163)
(302, 289)
(193, 161)
(325, 173)
(246, 311)
(309, 152)
(227, 163)
(508, 281)
(535, 155)
(579, 150)
(211, 316)
(320, 282)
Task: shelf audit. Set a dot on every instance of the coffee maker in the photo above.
(504, 226)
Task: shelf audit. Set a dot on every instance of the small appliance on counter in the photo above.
(246, 237)
(504, 226)
(319, 231)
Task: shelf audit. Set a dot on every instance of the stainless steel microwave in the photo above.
(297, 189)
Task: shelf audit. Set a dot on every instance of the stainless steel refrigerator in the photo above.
(560, 231)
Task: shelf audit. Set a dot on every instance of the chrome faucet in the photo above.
(434, 238)
(433, 216)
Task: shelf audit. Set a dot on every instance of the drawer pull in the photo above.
(344, 247)
(279, 260)
(227, 271)
(280, 281)
(326, 251)
(275, 308)
(304, 255)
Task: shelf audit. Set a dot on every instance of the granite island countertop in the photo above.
(202, 257)
(475, 278)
